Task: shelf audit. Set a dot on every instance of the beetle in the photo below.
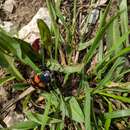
(43, 79)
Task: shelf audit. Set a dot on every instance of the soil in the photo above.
(22, 13)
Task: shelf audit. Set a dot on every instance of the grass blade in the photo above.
(117, 114)
(25, 125)
(8, 62)
(74, 110)
(6, 79)
(108, 121)
(97, 39)
(124, 19)
(54, 25)
(45, 116)
(113, 34)
(114, 47)
(109, 75)
(87, 109)
(121, 98)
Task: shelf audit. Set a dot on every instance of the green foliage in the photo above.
(99, 81)
(6, 79)
(8, 62)
(117, 114)
(55, 66)
(26, 125)
(16, 48)
(74, 111)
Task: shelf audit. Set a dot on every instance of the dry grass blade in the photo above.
(13, 101)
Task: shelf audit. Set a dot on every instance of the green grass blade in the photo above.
(52, 13)
(46, 112)
(8, 62)
(97, 39)
(121, 53)
(84, 45)
(20, 86)
(35, 117)
(11, 45)
(112, 35)
(25, 125)
(113, 48)
(28, 50)
(45, 35)
(121, 98)
(103, 18)
(109, 75)
(123, 73)
(67, 26)
(117, 114)
(108, 121)
(87, 109)
(124, 19)
(100, 53)
(6, 79)
(29, 62)
(55, 66)
(74, 110)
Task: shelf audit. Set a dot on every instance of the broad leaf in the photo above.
(55, 66)
(35, 117)
(25, 125)
(74, 110)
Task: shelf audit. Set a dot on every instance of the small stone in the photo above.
(94, 16)
(9, 5)
(7, 26)
(3, 94)
(102, 2)
(13, 117)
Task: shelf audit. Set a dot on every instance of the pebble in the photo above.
(6, 25)
(9, 5)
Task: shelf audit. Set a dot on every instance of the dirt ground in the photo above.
(22, 13)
